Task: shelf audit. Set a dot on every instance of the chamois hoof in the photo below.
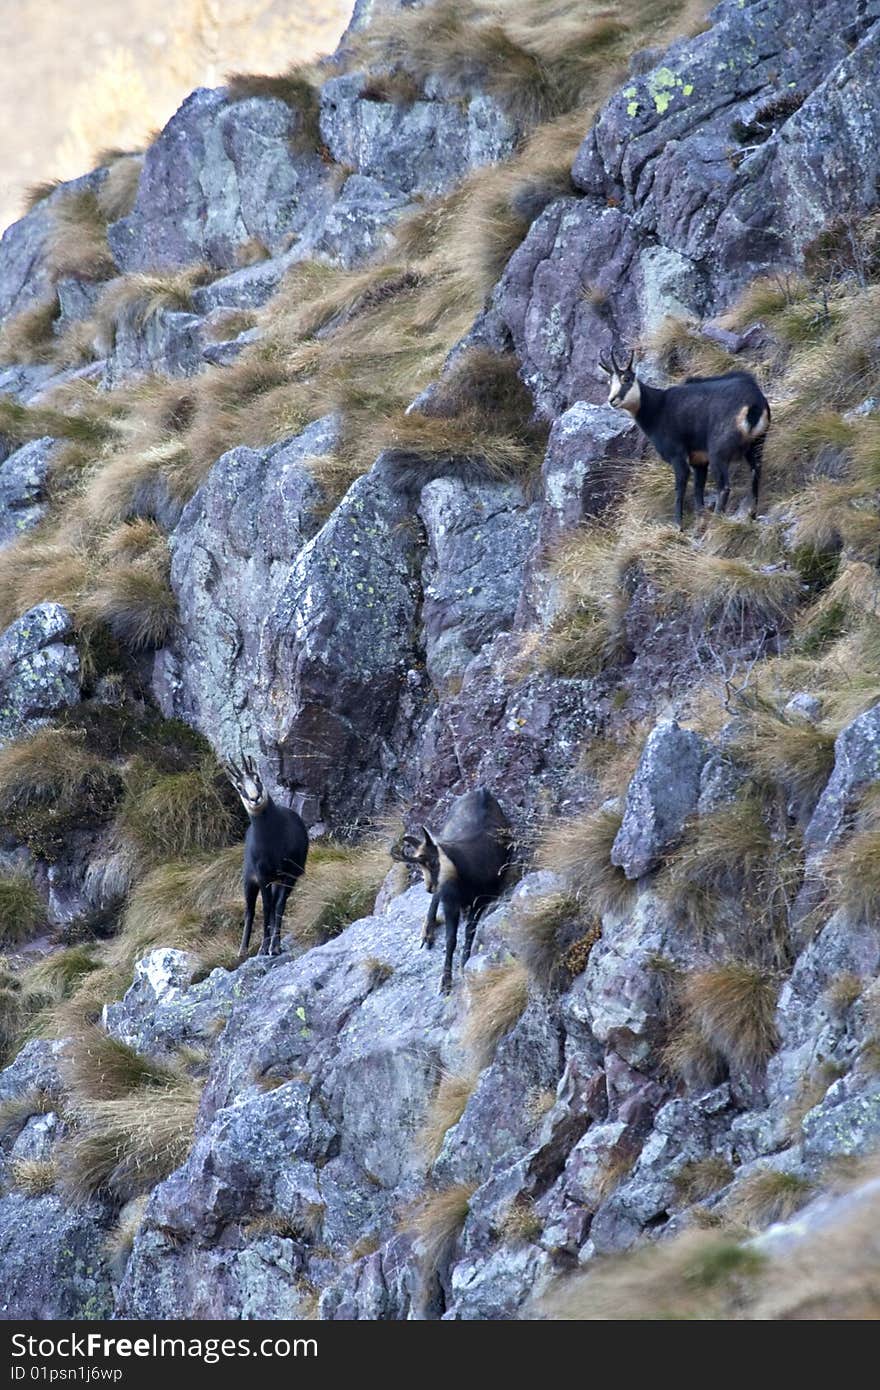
(242, 957)
(445, 986)
(275, 949)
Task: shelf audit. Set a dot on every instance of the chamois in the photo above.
(275, 850)
(708, 421)
(463, 868)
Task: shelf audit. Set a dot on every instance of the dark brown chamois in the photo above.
(707, 422)
(275, 850)
(464, 869)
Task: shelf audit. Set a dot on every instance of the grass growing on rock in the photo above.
(22, 910)
(445, 1110)
(340, 885)
(579, 849)
(732, 1007)
(497, 997)
(436, 1222)
(768, 1195)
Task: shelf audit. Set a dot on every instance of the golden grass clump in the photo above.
(142, 295)
(339, 887)
(77, 242)
(169, 815)
(698, 1276)
(125, 1146)
(29, 335)
(50, 781)
(732, 1006)
(22, 910)
(852, 873)
(580, 850)
(445, 1111)
(100, 1067)
(35, 1177)
(120, 1240)
(791, 754)
(534, 931)
(436, 1221)
(497, 997)
(701, 1178)
(134, 600)
(768, 1195)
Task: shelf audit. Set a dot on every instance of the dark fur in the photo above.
(275, 851)
(699, 418)
(476, 839)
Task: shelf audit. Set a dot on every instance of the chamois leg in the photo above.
(250, 901)
(451, 914)
(721, 474)
(754, 456)
(700, 471)
(681, 467)
(282, 893)
(267, 892)
(430, 926)
(473, 918)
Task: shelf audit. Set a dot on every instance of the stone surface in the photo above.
(22, 482)
(39, 669)
(219, 174)
(478, 538)
(417, 147)
(661, 797)
(232, 553)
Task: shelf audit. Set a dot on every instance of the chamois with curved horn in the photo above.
(707, 422)
(275, 851)
(464, 869)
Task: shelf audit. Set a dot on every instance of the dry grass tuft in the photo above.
(100, 1067)
(120, 1241)
(29, 336)
(580, 850)
(436, 1223)
(339, 886)
(699, 1276)
(167, 815)
(446, 1109)
(497, 998)
(77, 243)
(22, 910)
(733, 1007)
(767, 1196)
(701, 1178)
(35, 1177)
(124, 1147)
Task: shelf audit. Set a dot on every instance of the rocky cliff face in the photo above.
(669, 1025)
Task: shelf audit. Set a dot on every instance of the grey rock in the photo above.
(232, 553)
(423, 146)
(22, 481)
(856, 767)
(39, 670)
(70, 1279)
(378, 1287)
(334, 653)
(660, 798)
(478, 538)
(356, 226)
(24, 275)
(166, 342)
(220, 173)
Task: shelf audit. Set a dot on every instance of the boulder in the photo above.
(660, 798)
(22, 483)
(221, 172)
(39, 669)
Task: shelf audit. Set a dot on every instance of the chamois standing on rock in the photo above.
(464, 869)
(708, 421)
(275, 850)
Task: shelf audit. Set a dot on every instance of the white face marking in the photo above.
(623, 398)
(253, 797)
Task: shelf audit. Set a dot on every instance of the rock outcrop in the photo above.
(364, 1146)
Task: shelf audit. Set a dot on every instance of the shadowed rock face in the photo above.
(384, 649)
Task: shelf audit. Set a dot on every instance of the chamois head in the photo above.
(248, 783)
(424, 854)
(623, 386)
